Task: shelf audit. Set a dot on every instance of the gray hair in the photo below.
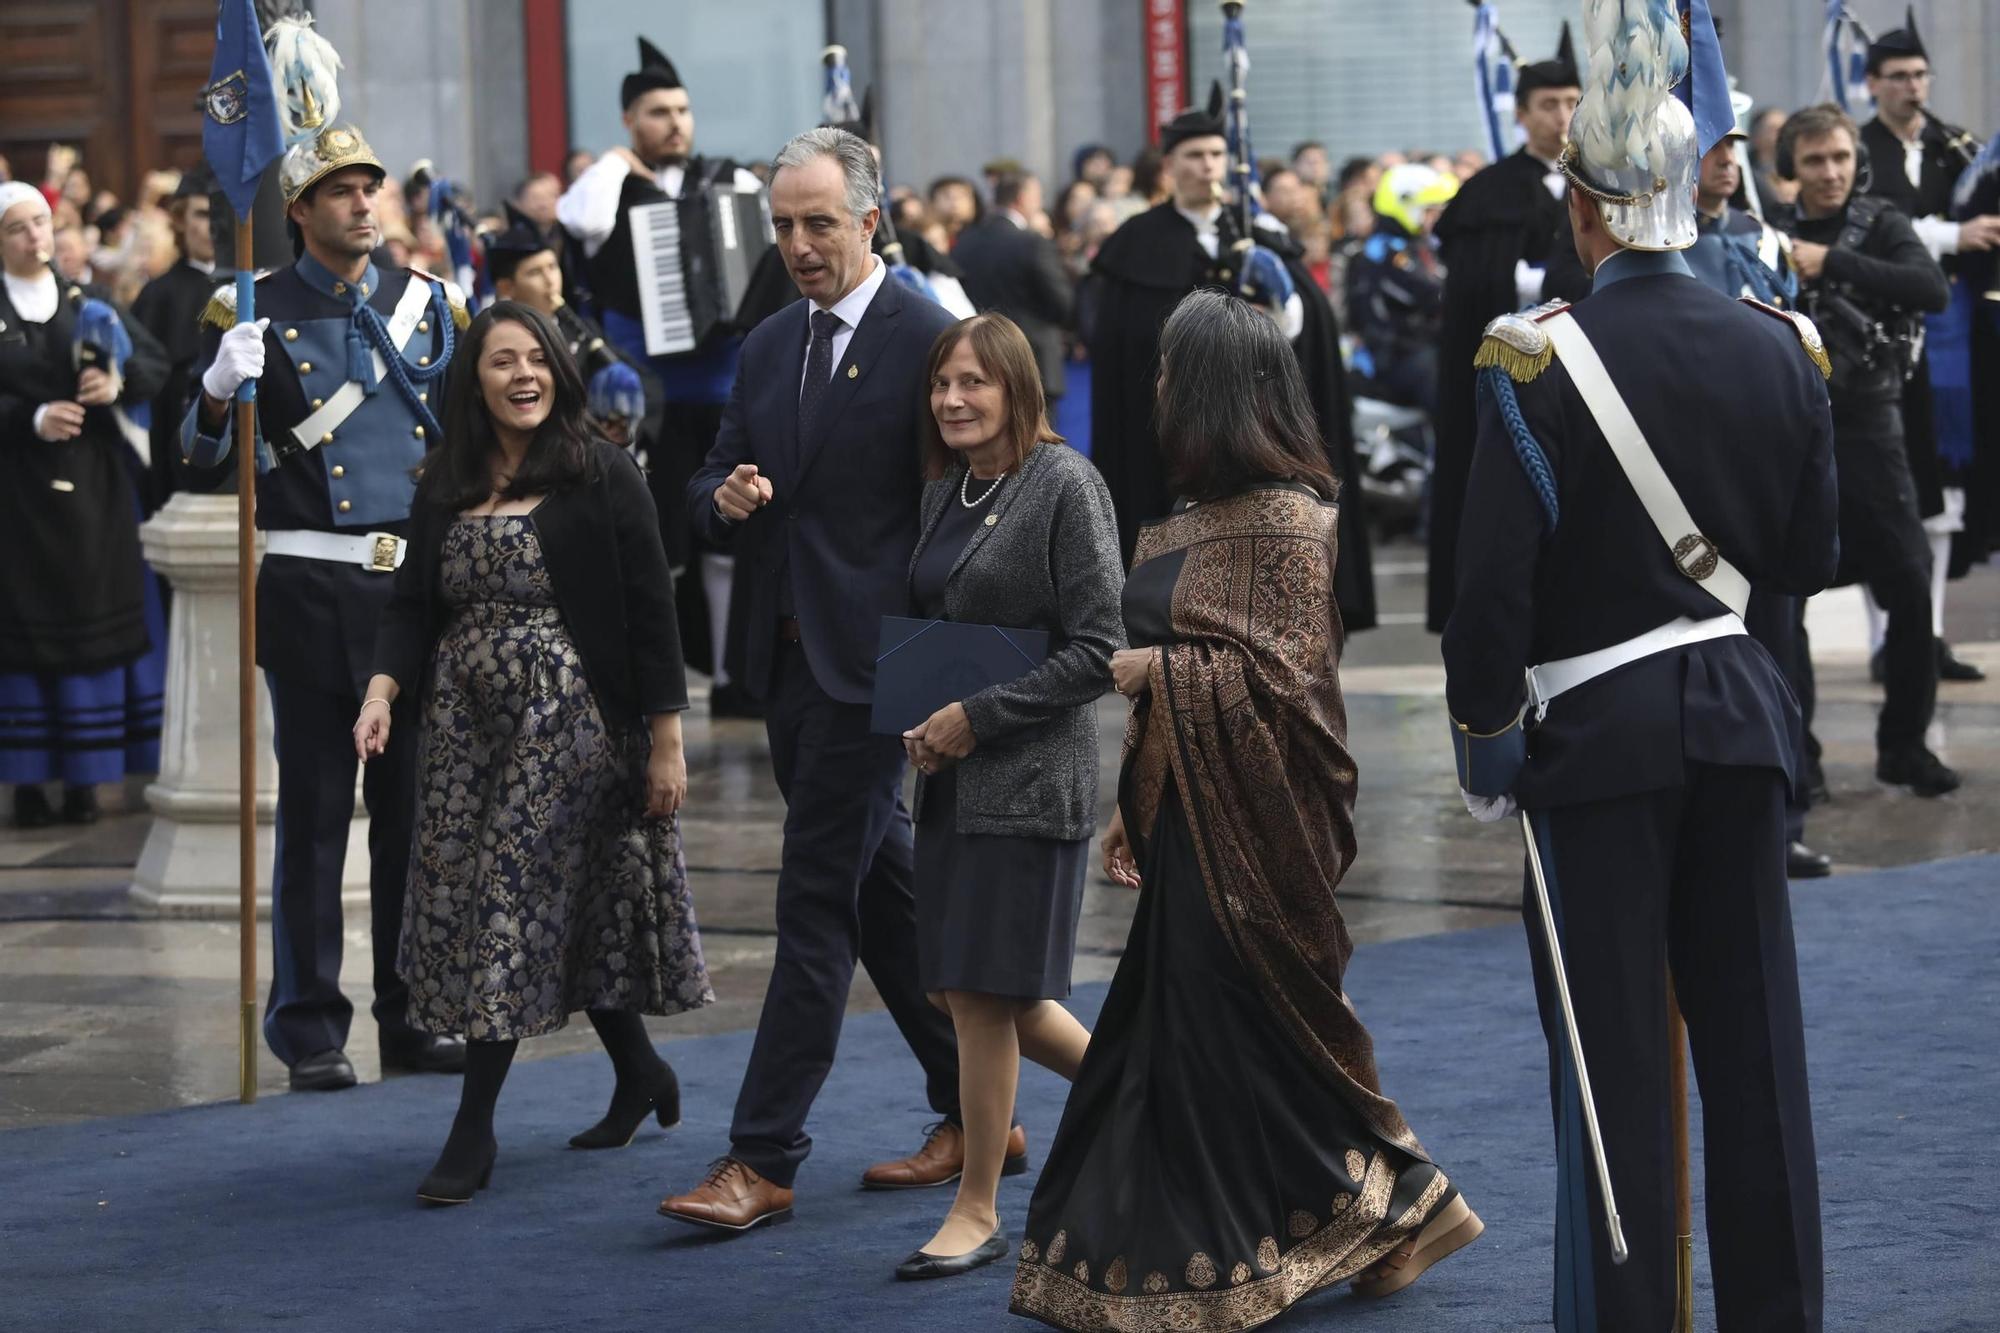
(851, 151)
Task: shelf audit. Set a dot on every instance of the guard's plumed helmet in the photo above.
(1632, 144)
(329, 151)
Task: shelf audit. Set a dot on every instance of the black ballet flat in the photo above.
(439, 1188)
(664, 1106)
(921, 1266)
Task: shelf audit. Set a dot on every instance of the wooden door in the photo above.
(117, 79)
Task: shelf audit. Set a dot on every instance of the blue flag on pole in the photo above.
(1705, 90)
(1493, 82)
(240, 135)
(1844, 81)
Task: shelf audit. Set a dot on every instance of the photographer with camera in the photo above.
(1866, 280)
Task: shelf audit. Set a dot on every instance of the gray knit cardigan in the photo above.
(1047, 558)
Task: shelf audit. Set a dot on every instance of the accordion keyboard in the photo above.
(662, 275)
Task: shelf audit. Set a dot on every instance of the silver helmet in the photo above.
(1633, 146)
(320, 156)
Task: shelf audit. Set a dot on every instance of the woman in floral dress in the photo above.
(534, 610)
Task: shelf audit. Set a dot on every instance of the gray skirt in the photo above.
(995, 914)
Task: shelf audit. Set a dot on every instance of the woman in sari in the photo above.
(1227, 1147)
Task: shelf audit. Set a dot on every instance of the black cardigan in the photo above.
(601, 541)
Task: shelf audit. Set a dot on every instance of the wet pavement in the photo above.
(107, 1009)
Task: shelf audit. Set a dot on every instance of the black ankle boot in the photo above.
(454, 1182)
(80, 805)
(621, 1123)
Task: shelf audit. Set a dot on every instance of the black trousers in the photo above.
(1883, 544)
(845, 891)
(1692, 877)
(1778, 623)
(306, 1012)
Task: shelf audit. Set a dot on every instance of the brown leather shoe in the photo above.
(941, 1160)
(731, 1197)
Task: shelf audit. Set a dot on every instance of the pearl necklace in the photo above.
(965, 485)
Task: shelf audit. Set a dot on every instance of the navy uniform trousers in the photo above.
(1693, 877)
(846, 890)
(314, 735)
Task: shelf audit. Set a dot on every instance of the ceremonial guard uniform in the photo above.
(1608, 551)
(1497, 239)
(346, 408)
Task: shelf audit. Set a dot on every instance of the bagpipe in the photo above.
(1261, 276)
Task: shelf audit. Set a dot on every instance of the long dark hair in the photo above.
(458, 472)
(1233, 409)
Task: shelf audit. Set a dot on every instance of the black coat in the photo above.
(843, 517)
(1019, 274)
(170, 307)
(72, 596)
(1140, 274)
(1757, 477)
(601, 541)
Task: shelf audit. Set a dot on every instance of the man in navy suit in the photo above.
(815, 476)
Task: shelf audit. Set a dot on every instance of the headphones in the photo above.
(1787, 167)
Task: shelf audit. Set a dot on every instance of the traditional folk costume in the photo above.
(1138, 276)
(1497, 238)
(82, 637)
(1608, 553)
(1227, 1147)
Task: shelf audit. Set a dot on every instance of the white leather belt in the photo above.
(376, 552)
(1548, 680)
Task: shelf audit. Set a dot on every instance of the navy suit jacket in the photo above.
(843, 514)
(1737, 415)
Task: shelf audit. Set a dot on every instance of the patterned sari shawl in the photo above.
(1245, 713)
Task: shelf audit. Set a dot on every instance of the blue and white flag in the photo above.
(1236, 56)
(1705, 90)
(836, 104)
(1844, 72)
(240, 134)
(1493, 84)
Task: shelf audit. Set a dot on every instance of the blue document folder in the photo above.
(922, 665)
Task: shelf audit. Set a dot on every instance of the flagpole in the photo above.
(246, 684)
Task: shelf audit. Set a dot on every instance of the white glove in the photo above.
(239, 357)
(1489, 809)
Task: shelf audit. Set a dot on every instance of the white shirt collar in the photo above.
(1204, 220)
(205, 267)
(34, 299)
(851, 307)
(1014, 216)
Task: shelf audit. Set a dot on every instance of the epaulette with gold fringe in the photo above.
(1803, 326)
(1517, 344)
(220, 312)
(454, 296)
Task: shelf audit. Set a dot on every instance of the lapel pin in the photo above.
(853, 371)
(991, 519)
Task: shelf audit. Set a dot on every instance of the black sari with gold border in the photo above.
(1227, 1148)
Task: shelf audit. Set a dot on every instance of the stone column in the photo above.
(189, 864)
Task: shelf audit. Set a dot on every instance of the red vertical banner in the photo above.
(547, 50)
(1166, 63)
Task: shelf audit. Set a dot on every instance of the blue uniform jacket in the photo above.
(317, 619)
(1737, 413)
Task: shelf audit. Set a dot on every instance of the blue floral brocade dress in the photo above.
(537, 885)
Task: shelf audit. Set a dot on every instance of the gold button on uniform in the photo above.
(423, 326)
(338, 472)
(326, 438)
(346, 505)
(291, 335)
(420, 432)
(423, 361)
(305, 367)
(424, 397)
(340, 289)
(319, 402)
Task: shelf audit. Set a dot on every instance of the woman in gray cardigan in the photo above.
(1017, 529)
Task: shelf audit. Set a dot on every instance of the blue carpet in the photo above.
(299, 1211)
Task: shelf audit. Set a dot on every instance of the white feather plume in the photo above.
(1636, 54)
(306, 68)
